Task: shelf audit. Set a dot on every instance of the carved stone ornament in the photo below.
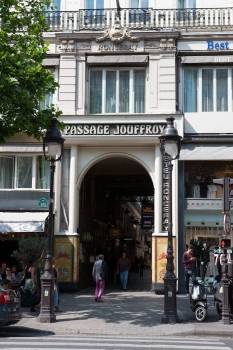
(117, 34)
(67, 46)
(167, 44)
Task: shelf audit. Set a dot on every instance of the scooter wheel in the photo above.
(200, 313)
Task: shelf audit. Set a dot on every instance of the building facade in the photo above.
(121, 73)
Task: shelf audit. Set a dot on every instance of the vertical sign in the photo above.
(165, 193)
(147, 221)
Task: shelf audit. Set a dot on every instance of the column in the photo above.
(81, 84)
(73, 193)
(157, 210)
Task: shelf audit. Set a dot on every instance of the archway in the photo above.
(116, 215)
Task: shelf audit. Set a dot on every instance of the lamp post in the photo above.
(53, 149)
(170, 143)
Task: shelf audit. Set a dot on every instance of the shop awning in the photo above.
(117, 59)
(22, 221)
(206, 152)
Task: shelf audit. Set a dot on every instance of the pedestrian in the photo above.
(56, 290)
(205, 258)
(99, 275)
(123, 268)
(189, 262)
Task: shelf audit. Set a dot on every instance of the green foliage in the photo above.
(30, 249)
(24, 82)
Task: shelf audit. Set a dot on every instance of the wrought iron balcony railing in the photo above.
(143, 19)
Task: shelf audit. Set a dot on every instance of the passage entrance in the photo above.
(116, 215)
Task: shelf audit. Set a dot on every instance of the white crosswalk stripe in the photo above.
(86, 342)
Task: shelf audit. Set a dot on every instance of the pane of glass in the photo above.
(190, 90)
(56, 4)
(110, 92)
(181, 4)
(139, 91)
(95, 92)
(42, 173)
(207, 90)
(47, 102)
(89, 4)
(144, 4)
(191, 4)
(134, 4)
(222, 89)
(124, 92)
(24, 172)
(6, 172)
(99, 4)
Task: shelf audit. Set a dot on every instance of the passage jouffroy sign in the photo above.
(112, 129)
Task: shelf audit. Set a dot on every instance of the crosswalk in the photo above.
(104, 342)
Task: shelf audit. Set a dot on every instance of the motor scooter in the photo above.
(198, 300)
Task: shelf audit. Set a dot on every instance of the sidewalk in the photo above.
(123, 313)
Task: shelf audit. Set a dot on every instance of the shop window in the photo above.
(6, 172)
(22, 172)
(117, 91)
(216, 92)
(42, 173)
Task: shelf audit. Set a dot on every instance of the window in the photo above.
(208, 89)
(139, 11)
(182, 4)
(117, 91)
(24, 172)
(94, 14)
(137, 4)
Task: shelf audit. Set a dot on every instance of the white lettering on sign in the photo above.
(114, 129)
(218, 45)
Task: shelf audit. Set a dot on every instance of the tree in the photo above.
(24, 82)
(30, 249)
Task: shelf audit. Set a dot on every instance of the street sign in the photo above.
(227, 223)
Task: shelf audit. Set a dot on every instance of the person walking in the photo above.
(189, 262)
(123, 269)
(99, 275)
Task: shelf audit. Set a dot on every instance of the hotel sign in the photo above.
(165, 194)
(113, 129)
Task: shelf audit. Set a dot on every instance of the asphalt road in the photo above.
(16, 338)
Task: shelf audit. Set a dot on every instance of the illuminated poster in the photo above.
(147, 221)
(161, 253)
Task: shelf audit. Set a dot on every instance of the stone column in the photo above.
(73, 193)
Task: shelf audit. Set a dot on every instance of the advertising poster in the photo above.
(161, 253)
(147, 221)
(64, 259)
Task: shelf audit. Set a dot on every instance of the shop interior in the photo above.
(204, 207)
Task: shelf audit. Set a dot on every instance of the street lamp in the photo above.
(170, 143)
(53, 149)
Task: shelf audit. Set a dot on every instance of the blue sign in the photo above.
(218, 45)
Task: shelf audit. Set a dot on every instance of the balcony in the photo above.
(142, 19)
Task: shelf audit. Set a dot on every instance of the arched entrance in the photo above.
(116, 215)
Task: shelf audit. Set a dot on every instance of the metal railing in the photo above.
(141, 19)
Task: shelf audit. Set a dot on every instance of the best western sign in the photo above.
(122, 129)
